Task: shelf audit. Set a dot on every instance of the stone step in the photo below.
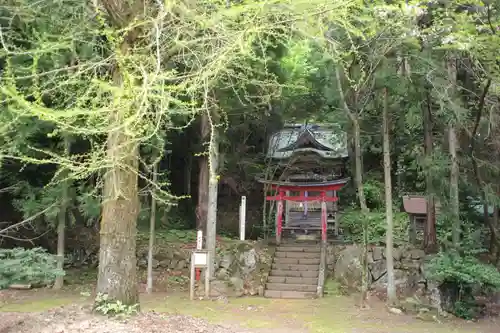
(298, 243)
(297, 261)
(291, 287)
(296, 248)
(292, 280)
(289, 294)
(288, 273)
(295, 267)
(298, 255)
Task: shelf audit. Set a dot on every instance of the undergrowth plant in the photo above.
(103, 305)
(27, 266)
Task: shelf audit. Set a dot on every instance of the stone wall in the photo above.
(345, 267)
(241, 268)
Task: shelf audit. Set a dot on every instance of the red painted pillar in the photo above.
(324, 217)
(279, 217)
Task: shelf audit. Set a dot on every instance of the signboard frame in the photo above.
(204, 257)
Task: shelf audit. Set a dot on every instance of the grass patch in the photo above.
(40, 304)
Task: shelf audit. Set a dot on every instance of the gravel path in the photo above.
(79, 320)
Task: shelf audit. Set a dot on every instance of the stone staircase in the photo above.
(295, 271)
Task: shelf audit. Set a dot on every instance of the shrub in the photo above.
(458, 276)
(27, 266)
(352, 223)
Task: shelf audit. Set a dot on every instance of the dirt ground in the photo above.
(46, 311)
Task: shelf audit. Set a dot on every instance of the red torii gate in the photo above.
(281, 188)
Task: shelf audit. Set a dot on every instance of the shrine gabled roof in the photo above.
(326, 141)
(305, 140)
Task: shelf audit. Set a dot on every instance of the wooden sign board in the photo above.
(199, 259)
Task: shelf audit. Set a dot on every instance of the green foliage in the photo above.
(107, 307)
(27, 266)
(462, 270)
(465, 309)
(458, 276)
(352, 222)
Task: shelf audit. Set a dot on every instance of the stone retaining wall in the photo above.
(345, 267)
(241, 268)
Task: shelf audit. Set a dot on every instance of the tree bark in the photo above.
(430, 239)
(454, 178)
(453, 146)
(359, 164)
(152, 224)
(117, 258)
(61, 225)
(358, 158)
(391, 287)
(213, 186)
(203, 178)
(117, 274)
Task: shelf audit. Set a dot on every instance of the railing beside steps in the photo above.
(322, 269)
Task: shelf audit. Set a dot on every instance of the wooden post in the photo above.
(335, 215)
(287, 209)
(243, 212)
(413, 229)
(324, 217)
(279, 217)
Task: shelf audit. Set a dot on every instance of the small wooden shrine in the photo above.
(310, 165)
(416, 208)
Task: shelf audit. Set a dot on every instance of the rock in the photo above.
(395, 311)
(378, 269)
(348, 269)
(434, 295)
(397, 253)
(142, 263)
(237, 283)
(249, 260)
(261, 290)
(173, 264)
(164, 263)
(222, 288)
(181, 265)
(409, 264)
(416, 254)
(226, 261)
(377, 253)
(400, 280)
(222, 274)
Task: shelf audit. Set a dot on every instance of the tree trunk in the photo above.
(212, 198)
(430, 239)
(359, 164)
(454, 178)
(61, 225)
(358, 157)
(203, 178)
(152, 224)
(117, 275)
(453, 146)
(391, 287)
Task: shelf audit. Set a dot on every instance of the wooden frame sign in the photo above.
(200, 260)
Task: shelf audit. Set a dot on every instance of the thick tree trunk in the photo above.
(117, 273)
(117, 258)
(430, 239)
(203, 178)
(391, 287)
(61, 224)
